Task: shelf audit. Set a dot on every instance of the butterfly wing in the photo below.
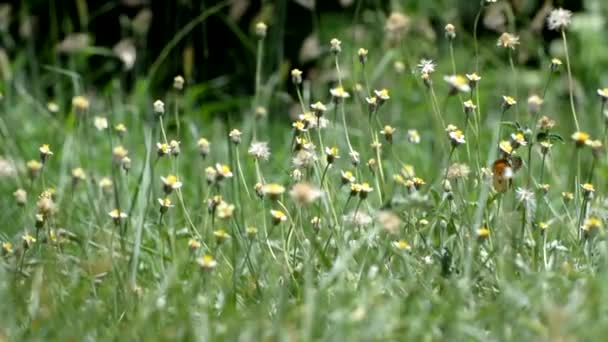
(501, 175)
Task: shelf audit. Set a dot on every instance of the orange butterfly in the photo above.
(503, 171)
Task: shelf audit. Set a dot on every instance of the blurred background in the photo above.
(213, 43)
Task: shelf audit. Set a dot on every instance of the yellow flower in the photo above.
(457, 137)
(221, 235)
(206, 262)
(364, 190)
(45, 152)
(165, 204)
(80, 103)
(469, 106)
(402, 245)
(117, 215)
(278, 216)
(506, 147)
(339, 93)
(28, 240)
(458, 83)
(580, 138)
(273, 190)
(223, 171)
(33, 168)
(7, 247)
(78, 174)
(592, 223)
(508, 101)
(194, 244)
(332, 153)
(120, 128)
(225, 210)
(347, 177)
(119, 152)
(483, 233)
(162, 149)
(171, 182)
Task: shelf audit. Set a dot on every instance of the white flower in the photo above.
(259, 150)
(426, 66)
(559, 19)
(359, 218)
(159, 107)
(100, 123)
(413, 136)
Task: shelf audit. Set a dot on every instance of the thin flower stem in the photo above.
(570, 82)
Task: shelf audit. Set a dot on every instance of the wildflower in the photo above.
(260, 30)
(473, 79)
(304, 193)
(45, 152)
(359, 218)
(483, 233)
(414, 184)
(389, 221)
(235, 136)
(362, 53)
(508, 101)
(221, 235)
(371, 164)
(426, 66)
(402, 245)
(117, 215)
(194, 244)
(396, 26)
(296, 76)
(121, 129)
(354, 157)
(534, 103)
(545, 123)
(100, 123)
(316, 222)
(559, 19)
(543, 226)
(159, 107)
(296, 175)
(413, 136)
(304, 158)
(339, 93)
(408, 171)
(364, 190)
(20, 197)
(33, 168)
(567, 196)
(80, 103)
(388, 132)
(457, 83)
(7, 248)
(507, 40)
(165, 204)
(39, 218)
(259, 150)
(223, 171)
(450, 31)
(203, 147)
(45, 204)
(178, 82)
(225, 210)
(105, 184)
(469, 106)
(299, 126)
(457, 137)
(335, 46)
(591, 224)
(588, 190)
(170, 183)
(347, 177)
(544, 188)
(278, 216)
(162, 149)
(580, 138)
(372, 103)
(458, 171)
(524, 195)
(273, 190)
(318, 109)
(207, 262)
(331, 154)
(51, 107)
(119, 152)
(596, 147)
(251, 232)
(381, 96)
(78, 175)
(261, 112)
(125, 163)
(28, 240)
(175, 147)
(518, 139)
(555, 64)
(603, 93)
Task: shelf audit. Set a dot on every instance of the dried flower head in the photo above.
(296, 76)
(203, 147)
(159, 107)
(362, 54)
(450, 31)
(80, 103)
(458, 171)
(336, 46)
(259, 150)
(235, 136)
(535, 102)
(20, 197)
(507, 40)
(559, 19)
(304, 193)
(178, 82)
(260, 30)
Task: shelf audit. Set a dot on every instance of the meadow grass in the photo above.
(454, 198)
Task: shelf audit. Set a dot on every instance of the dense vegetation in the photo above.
(396, 181)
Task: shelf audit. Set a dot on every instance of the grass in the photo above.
(348, 231)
